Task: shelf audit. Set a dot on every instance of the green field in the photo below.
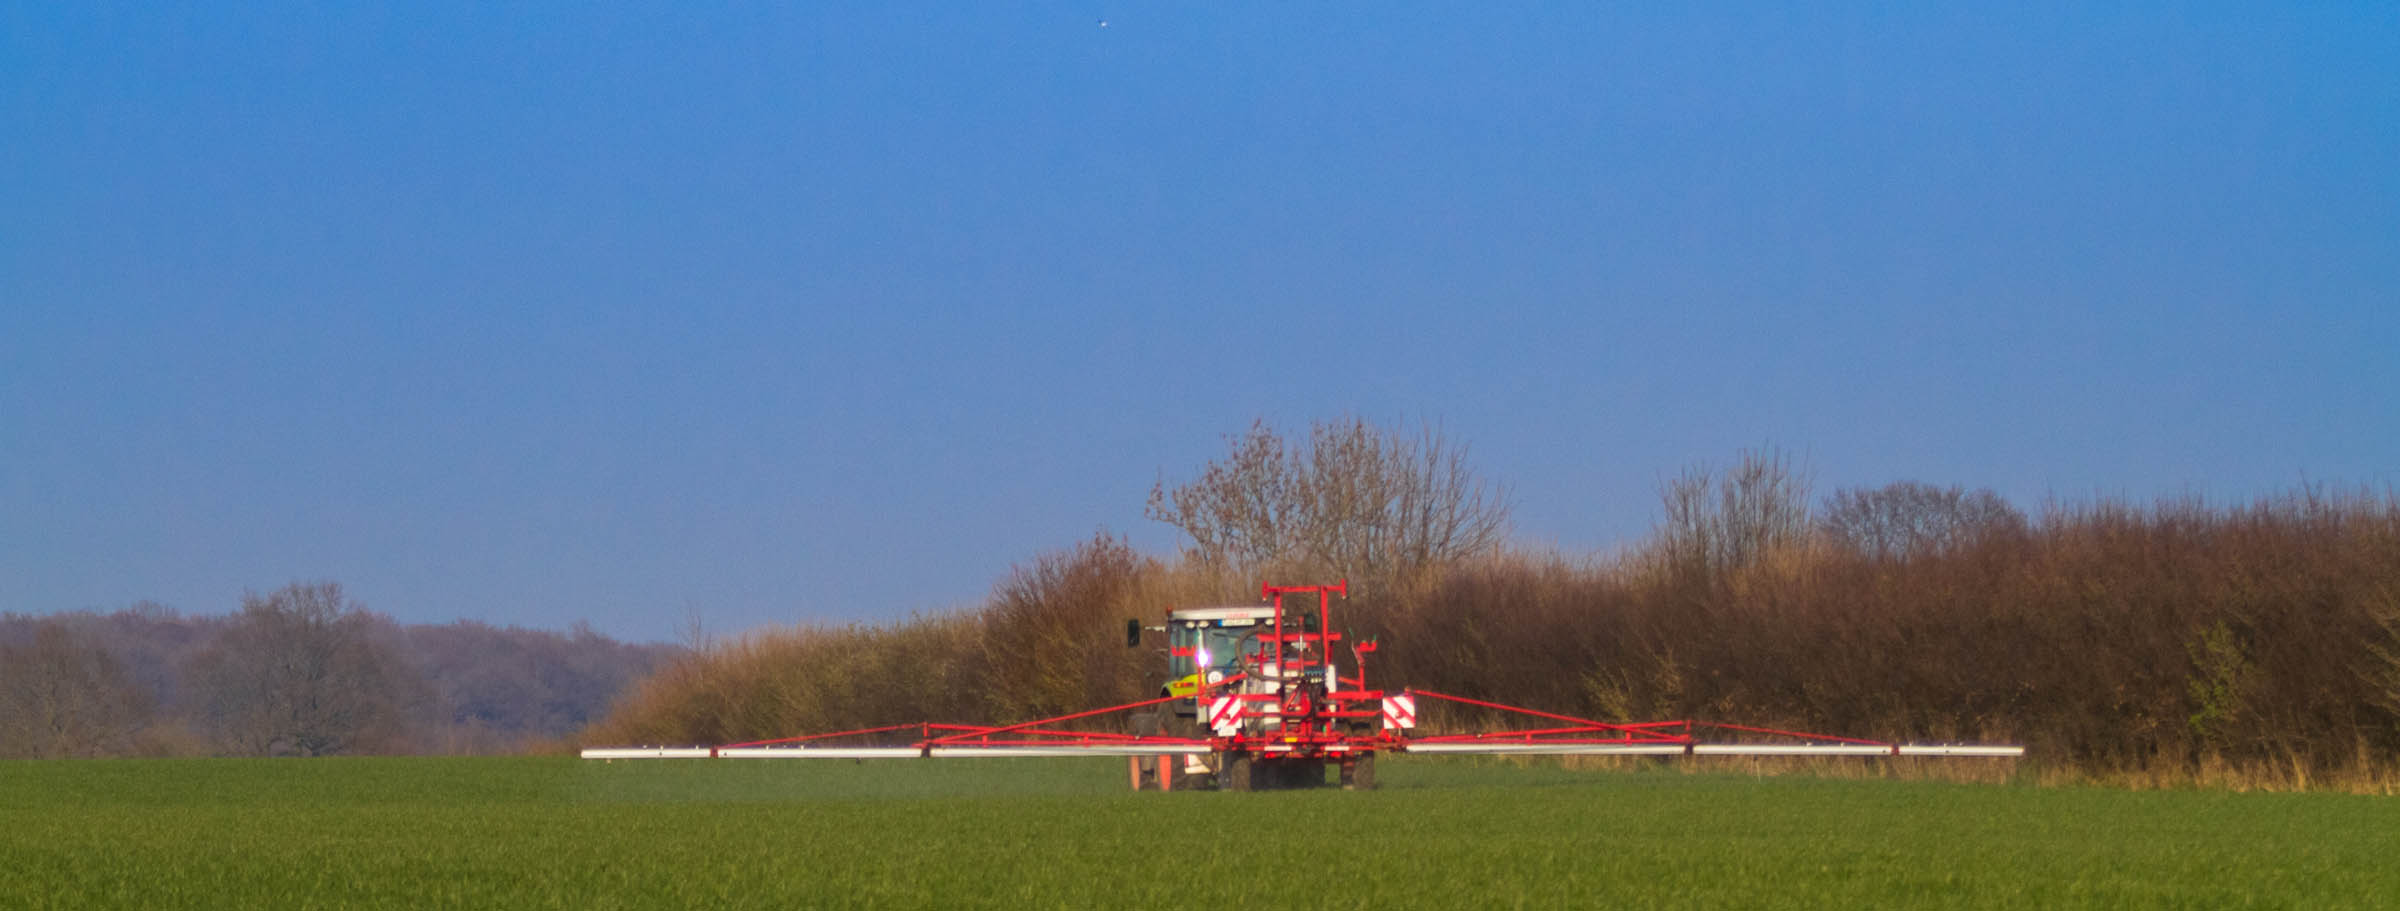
(487, 833)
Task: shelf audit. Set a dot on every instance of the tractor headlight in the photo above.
(1216, 676)
(1202, 654)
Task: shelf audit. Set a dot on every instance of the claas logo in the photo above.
(1185, 685)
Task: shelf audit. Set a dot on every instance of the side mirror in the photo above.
(1133, 633)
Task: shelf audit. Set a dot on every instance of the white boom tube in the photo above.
(975, 752)
(818, 753)
(1712, 749)
(1550, 749)
(648, 753)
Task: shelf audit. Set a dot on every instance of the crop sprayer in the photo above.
(1272, 695)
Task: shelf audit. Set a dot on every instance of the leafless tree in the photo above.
(1910, 519)
(1720, 521)
(303, 671)
(1353, 499)
(61, 695)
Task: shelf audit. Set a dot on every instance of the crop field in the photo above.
(564, 833)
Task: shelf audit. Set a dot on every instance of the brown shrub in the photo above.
(2174, 642)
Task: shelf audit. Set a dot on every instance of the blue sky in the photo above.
(776, 312)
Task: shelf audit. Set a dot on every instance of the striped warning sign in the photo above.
(1225, 715)
(1399, 711)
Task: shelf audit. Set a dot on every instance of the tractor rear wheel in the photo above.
(1236, 771)
(1361, 774)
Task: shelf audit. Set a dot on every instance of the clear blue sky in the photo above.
(773, 312)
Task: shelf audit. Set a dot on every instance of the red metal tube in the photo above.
(943, 741)
(1526, 711)
(1804, 735)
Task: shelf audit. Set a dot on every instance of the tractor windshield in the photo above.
(1222, 644)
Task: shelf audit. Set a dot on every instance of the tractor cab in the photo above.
(1208, 644)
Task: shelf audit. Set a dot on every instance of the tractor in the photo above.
(1267, 688)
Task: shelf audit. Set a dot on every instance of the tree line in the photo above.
(2164, 639)
(300, 671)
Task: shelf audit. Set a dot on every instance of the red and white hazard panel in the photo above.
(1225, 715)
(1399, 711)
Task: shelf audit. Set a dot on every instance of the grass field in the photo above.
(488, 833)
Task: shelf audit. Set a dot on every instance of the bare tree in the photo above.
(1353, 499)
(304, 672)
(1909, 519)
(62, 695)
(1718, 522)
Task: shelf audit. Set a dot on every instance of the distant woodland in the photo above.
(300, 671)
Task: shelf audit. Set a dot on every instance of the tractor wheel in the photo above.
(1360, 776)
(1236, 772)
